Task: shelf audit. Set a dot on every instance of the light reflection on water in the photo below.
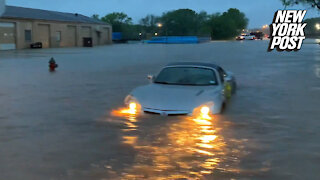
(317, 70)
(130, 123)
(190, 147)
(317, 65)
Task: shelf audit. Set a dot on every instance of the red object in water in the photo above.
(53, 66)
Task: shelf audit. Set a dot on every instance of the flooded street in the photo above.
(60, 125)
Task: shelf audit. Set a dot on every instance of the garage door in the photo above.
(71, 36)
(44, 35)
(106, 35)
(7, 36)
(86, 32)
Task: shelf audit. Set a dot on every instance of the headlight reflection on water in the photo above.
(130, 113)
(132, 109)
(190, 147)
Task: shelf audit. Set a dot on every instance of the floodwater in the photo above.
(60, 125)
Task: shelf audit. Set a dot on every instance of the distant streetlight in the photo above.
(140, 36)
(317, 26)
(160, 25)
(156, 34)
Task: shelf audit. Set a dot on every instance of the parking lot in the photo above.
(59, 125)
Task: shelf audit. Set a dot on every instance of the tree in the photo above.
(227, 25)
(95, 16)
(312, 29)
(149, 24)
(203, 25)
(149, 21)
(313, 3)
(132, 31)
(117, 17)
(181, 22)
(117, 20)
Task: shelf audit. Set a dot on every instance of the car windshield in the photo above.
(187, 76)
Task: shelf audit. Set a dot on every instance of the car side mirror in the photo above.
(151, 77)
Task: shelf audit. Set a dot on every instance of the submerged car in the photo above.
(184, 89)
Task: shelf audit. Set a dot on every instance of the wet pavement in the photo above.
(60, 125)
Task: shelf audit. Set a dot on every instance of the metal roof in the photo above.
(210, 65)
(38, 14)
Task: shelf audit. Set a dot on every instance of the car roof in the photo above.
(209, 65)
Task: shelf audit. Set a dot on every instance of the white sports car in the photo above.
(184, 89)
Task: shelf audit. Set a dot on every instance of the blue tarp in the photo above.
(174, 40)
(116, 36)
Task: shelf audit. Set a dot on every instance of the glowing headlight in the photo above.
(132, 108)
(205, 110)
(132, 104)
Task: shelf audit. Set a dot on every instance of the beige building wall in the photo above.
(21, 26)
(42, 34)
(70, 36)
(59, 34)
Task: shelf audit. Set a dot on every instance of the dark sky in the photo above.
(259, 12)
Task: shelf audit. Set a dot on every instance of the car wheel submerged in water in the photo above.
(185, 89)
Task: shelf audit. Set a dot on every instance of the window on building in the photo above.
(27, 35)
(58, 36)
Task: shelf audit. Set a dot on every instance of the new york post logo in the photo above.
(287, 30)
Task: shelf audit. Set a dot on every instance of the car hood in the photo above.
(174, 97)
